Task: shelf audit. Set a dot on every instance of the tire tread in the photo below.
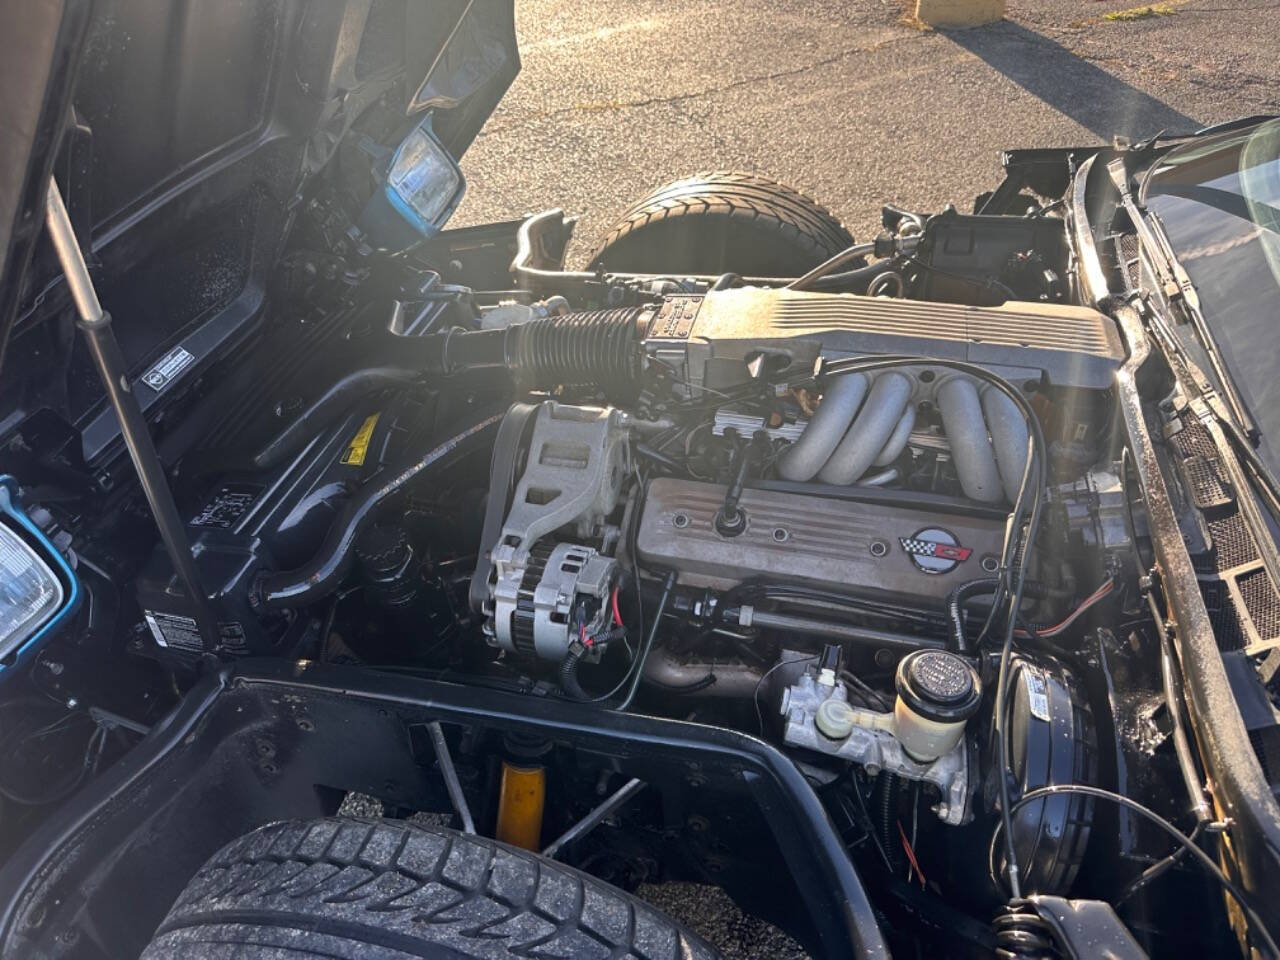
(736, 197)
(395, 888)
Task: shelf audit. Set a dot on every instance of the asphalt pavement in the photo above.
(853, 104)
(843, 99)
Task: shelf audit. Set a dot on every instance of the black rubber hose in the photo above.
(596, 348)
(956, 600)
(592, 348)
(326, 570)
(885, 803)
(965, 592)
(859, 277)
(569, 674)
(336, 399)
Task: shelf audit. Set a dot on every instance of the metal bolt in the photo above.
(879, 548)
(781, 535)
(990, 563)
(72, 703)
(680, 521)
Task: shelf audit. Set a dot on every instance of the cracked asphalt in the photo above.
(851, 104)
(842, 99)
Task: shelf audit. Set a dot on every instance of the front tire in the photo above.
(347, 889)
(715, 223)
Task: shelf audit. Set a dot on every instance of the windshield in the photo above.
(1219, 203)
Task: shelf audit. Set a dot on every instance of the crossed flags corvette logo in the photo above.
(934, 550)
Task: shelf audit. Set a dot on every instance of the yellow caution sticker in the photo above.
(359, 449)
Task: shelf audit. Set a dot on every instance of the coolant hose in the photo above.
(320, 576)
(337, 398)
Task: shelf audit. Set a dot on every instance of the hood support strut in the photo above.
(95, 324)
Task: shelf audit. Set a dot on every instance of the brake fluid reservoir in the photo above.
(938, 692)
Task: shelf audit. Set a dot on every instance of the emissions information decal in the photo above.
(359, 449)
(1037, 694)
(167, 368)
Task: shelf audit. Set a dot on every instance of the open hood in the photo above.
(185, 137)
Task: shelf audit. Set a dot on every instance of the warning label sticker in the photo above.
(167, 368)
(226, 507)
(177, 632)
(359, 448)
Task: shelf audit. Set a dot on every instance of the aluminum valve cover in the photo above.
(895, 552)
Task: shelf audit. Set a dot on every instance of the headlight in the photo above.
(424, 180)
(32, 594)
(423, 187)
(29, 592)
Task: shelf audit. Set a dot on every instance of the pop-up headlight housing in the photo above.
(422, 189)
(37, 588)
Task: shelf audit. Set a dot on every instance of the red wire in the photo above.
(617, 614)
(1071, 618)
(911, 854)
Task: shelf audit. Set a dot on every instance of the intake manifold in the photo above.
(864, 422)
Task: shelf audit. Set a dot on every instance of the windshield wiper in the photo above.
(1178, 289)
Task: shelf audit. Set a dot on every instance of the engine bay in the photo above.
(375, 587)
(885, 527)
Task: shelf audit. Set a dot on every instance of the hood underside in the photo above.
(185, 138)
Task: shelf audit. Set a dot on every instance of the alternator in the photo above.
(541, 593)
(563, 594)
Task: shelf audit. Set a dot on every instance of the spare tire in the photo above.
(714, 223)
(393, 890)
